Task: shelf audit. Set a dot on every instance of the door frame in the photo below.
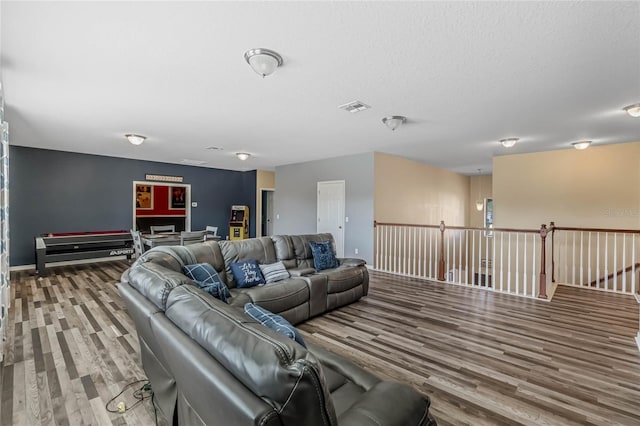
(259, 230)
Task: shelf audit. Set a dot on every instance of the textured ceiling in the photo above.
(79, 75)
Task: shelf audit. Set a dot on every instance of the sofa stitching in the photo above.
(166, 288)
(320, 394)
(287, 296)
(268, 417)
(425, 415)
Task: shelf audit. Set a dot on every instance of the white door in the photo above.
(331, 211)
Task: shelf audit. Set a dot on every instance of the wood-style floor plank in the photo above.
(483, 358)
(488, 358)
(64, 360)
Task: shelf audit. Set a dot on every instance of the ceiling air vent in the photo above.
(192, 162)
(354, 106)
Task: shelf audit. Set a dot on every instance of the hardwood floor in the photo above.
(482, 358)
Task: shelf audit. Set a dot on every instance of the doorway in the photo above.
(161, 204)
(331, 207)
(266, 213)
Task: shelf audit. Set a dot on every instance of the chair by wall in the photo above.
(187, 238)
(162, 228)
(212, 233)
(138, 247)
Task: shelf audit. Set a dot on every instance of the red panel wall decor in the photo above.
(157, 200)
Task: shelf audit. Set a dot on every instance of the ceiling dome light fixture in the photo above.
(263, 61)
(509, 142)
(581, 144)
(135, 139)
(243, 155)
(633, 110)
(394, 121)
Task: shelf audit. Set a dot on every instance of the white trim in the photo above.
(67, 262)
(638, 340)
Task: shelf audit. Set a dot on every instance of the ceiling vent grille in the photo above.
(354, 106)
(193, 162)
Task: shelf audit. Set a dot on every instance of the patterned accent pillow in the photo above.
(247, 273)
(274, 322)
(323, 256)
(274, 272)
(206, 277)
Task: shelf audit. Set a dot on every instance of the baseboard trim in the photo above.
(66, 263)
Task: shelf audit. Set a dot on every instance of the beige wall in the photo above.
(409, 192)
(597, 187)
(264, 180)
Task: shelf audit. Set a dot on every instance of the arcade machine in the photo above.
(239, 223)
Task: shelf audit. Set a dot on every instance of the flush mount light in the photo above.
(135, 139)
(263, 61)
(394, 121)
(509, 142)
(581, 144)
(633, 110)
(243, 155)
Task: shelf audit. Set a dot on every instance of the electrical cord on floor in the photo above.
(140, 394)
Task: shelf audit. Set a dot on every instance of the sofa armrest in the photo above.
(389, 404)
(351, 261)
(299, 272)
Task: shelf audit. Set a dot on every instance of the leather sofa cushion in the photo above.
(302, 249)
(283, 247)
(343, 278)
(155, 282)
(276, 297)
(259, 249)
(272, 366)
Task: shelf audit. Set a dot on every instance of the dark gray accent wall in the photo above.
(55, 191)
(295, 199)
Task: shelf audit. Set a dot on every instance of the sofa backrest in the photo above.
(260, 249)
(294, 250)
(273, 367)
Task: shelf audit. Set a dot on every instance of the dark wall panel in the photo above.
(55, 191)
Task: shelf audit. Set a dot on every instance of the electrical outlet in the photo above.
(356, 251)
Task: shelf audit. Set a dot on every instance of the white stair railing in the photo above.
(503, 260)
(599, 259)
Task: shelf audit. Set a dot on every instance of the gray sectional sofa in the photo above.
(209, 363)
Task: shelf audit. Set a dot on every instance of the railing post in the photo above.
(441, 255)
(552, 226)
(542, 288)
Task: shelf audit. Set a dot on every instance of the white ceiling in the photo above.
(79, 75)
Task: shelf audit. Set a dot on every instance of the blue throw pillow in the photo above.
(323, 256)
(247, 273)
(206, 277)
(274, 322)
